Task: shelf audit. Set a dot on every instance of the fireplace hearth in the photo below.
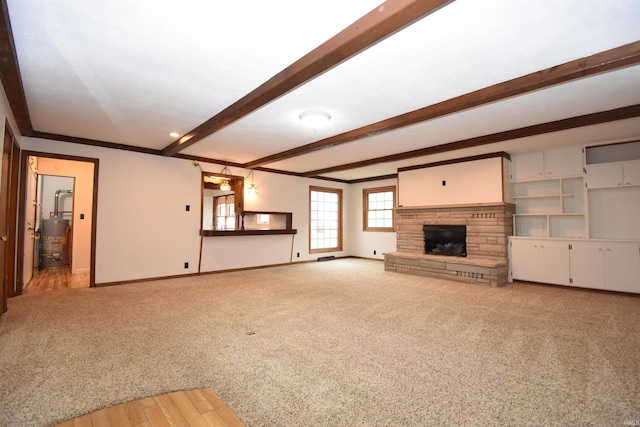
(486, 227)
(448, 240)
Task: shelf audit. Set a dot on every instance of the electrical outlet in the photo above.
(186, 265)
(298, 255)
(375, 252)
(188, 208)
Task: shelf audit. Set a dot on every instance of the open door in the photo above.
(8, 204)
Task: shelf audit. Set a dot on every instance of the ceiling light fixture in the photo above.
(315, 119)
(174, 134)
(225, 186)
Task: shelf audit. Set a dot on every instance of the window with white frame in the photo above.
(378, 204)
(225, 215)
(325, 219)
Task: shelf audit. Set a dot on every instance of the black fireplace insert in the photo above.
(450, 240)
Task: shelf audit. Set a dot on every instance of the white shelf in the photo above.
(550, 208)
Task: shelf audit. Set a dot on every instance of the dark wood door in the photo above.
(4, 217)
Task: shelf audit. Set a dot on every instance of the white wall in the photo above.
(50, 185)
(364, 243)
(144, 230)
(478, 181)
(277, 193)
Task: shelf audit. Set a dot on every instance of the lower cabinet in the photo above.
(613, 266)
(596, 264)
(540, 260)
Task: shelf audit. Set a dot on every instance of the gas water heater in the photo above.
(54, 235)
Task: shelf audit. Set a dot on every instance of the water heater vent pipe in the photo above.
(55, 205)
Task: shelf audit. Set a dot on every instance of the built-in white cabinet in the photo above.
(606, 265)
(612, 175)
(631, 172)
(549, 208)
(596, 264)
(527, 166)
(577, 217)
(553, 163)
(540, 260)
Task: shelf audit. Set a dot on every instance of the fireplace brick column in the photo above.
(488, 226)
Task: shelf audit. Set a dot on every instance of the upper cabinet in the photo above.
(610, 175)
(613, 166)
(560, 162)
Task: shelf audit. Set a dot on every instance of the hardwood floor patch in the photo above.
(54, 278)
(191, 408)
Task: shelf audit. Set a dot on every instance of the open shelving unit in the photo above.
(550, 208)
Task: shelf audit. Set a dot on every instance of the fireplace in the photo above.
(485, 227)
(449, 240)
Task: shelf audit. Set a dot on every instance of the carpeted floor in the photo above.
(339, 343)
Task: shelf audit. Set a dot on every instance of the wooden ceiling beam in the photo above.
(10, 74)
(387, 19)
(612, 59)
(559, 125)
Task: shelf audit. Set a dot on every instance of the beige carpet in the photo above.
(339, 343)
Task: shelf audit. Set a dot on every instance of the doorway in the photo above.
(51, 236)
(8, 203)
(58, 221)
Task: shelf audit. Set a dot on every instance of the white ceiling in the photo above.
(131, 71)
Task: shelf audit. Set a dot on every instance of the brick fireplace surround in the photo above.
(488, 226)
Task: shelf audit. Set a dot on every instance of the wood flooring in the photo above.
(54, 278)
(193, 408)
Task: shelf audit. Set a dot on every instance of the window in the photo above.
(378, 204)
(225, 216)
(325, 219)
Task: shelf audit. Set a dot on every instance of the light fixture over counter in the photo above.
(226, 185)
(252, 189)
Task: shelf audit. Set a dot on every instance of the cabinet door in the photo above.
(631, 172)
(606, 265)
(622, 267)
(544, 261)
(587, 265)
(553, 262)
(604, 175)
(527, 166)
(563, 162)
(524, 260)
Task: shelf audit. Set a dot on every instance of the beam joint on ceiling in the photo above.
(380, 23)
(617, 114)
(616, 58)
